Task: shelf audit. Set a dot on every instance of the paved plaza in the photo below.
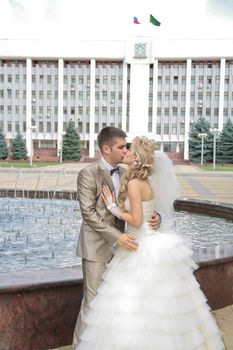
(194, 184)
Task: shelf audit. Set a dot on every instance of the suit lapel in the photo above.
(107, 180)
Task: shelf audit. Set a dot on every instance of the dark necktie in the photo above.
(112, 171)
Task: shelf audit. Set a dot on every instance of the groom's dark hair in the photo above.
(108, 135)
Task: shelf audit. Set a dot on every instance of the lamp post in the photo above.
(202, 135)
(215, 132)
(32, 127)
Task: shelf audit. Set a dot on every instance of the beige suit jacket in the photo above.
(99, 229)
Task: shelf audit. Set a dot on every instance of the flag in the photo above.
(135, 20)
(154, 21)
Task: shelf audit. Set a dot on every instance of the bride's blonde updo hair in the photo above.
(141, 168)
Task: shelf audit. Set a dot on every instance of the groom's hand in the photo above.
(127, 242)
(155, 221)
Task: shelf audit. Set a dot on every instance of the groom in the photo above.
(100, 230)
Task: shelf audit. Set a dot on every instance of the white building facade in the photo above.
(145, 86)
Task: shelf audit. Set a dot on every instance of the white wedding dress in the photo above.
(150, 299)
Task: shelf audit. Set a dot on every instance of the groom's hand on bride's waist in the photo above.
(155, 221)
(127, 242)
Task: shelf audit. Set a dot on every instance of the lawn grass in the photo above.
(26, 164)
(217, 167)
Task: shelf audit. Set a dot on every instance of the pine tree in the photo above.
(71, 148)
(225, 150)
(3, 146)
(201, 126)
(19, 150)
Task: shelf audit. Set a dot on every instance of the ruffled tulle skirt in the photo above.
(150, 300)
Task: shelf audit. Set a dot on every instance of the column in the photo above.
(60, 107)
(124, 95)
(29, 106)
(187, 108)
(92, 111)
(221, 93)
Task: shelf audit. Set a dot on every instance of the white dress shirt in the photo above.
(115, 177)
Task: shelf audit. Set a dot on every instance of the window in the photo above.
(48, 79)
(167, 80)
(17, 78)
(158, 129)
(208, 96)
(166, 112)
(216, 96)
(225, 112)
(41, 129)
(159, 96)
(175, 95)
(167, 96)
(183, 80)
(104, 110)
(9, 126)
(192, 79)
(199, 112)
(174, 129)
(174, 111)
(175, 80)
(182, 129)
(72, 110)
(48, 126)
(113, 79)
(208, 110)
(166, 129)
(97, 111)
(216, 112)
(217, 79)
(159, 111)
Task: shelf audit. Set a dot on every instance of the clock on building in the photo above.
(140, 50)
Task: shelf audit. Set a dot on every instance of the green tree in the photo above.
(71, 148)
(225, 149)
(3, 146)
(19, 150)
(201, 126)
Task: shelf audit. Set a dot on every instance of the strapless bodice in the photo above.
(144, 229)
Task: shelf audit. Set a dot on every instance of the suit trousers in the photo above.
(92, 276)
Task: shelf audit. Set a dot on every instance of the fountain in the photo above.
(41, 274)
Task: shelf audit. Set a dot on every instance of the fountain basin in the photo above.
(39, 308)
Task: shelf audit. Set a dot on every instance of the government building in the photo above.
(143, 85)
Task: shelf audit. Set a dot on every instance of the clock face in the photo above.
(140, 50)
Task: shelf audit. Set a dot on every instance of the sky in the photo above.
(113, 19)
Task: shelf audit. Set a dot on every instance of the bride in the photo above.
(149, 299)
